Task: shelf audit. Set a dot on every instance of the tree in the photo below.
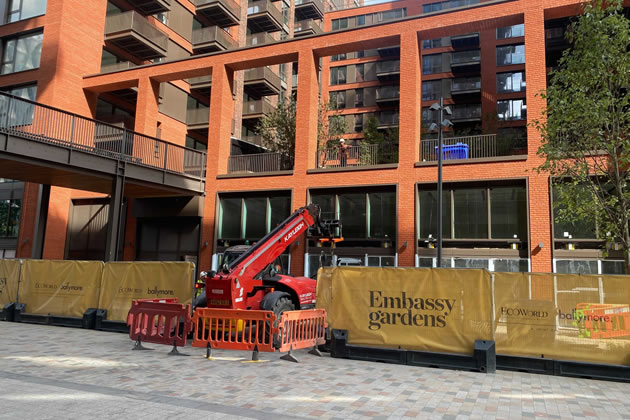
(585, 127)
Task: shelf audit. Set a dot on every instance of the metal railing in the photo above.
(135, 22)
(388, 93)
(198, 116)
(307, 25)
(123, 65)
(389, 66)
(361, 155)
(264, 6)
(211, 34)
(389, 118)
(259, 162)
(466, 83)
(466, 112)
(259, 38)
(231, 6)
(477, 147)
(45, 124)
(465, 57)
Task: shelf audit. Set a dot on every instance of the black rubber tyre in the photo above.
(282, 304)
(277, 302)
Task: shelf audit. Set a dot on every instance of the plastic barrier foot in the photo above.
(176, 352)
(255, 354)
(139, 345)
(290, 357)
(315, 352)
(209, 352)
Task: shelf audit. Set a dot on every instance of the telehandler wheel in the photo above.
(277, 302)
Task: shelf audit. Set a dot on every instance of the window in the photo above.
(579, 229)
(510, 54)
(358, 98)
(370, 215)
(24, 9)
(358, 123)
(10, 211)
(251, 217)
(360, 68)
(192, 143)
(431, 90)
(361, 54)
(339, 24)
(27, 92)
(338, 75)
(514, 109)
(510, 82)
(338, 57)
(428, 44)
(392, 14)
(361, 20)
(162, 17)
(338, 99)
(511, 31)
(432, 64)
(22, 53)
(444, 5)
(490, 212)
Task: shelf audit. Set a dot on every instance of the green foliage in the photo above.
(277, 128)
(585, 128)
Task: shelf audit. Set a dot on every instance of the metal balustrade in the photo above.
(259, 162)
(361, 155)
(478, 147)
(45, 124)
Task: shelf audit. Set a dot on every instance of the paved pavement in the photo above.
(66, 373)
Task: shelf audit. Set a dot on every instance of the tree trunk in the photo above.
(626, 257)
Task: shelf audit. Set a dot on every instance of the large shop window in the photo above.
(17, 10)
(491, 212)
(251, 217)
(370, 215)
(21, 53)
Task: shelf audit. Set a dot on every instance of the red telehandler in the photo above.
(250, 282)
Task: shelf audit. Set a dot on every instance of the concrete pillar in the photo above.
(306, 112)
(539, 203)
(43, 200)
(147, 106)
(409, 144)
(115, 217)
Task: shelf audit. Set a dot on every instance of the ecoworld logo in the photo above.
(408, 311)
(156, 291)
(523, 313)
(293, 232)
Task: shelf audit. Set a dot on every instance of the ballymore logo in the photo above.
(293, 232)
(64, 287)
(162, 292)
(429, 312)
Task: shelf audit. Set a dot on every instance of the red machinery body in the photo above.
(238, 287)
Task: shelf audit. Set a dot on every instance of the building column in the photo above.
(39, 234)
(306, 112)
(147, 106)
(115, 216)
(539, 203)
(219, 144)
(409, 145)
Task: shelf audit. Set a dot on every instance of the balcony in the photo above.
(309, 9)
(362, 155)
(392, 51)
(465, 41)
(222, 13)
(474, 147)
(466, 61)
(198, 118)
(211, 39)
(388, 70)
(388, 95)
(466, 87)
(306, 27)
(263, 16)
(253, 110)
(388, 119)
(201, 85)
(466, 113)
(261, 81)
(257, 140)
(123, 65)
(259, 163)
(130, 31)
(260, 38)
(151, 7)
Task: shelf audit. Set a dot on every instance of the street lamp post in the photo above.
(438, 126)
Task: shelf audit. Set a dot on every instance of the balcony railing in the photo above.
(256, 108)
(263, 15)
(132, 32)
(387, 93)
(361, 155)
(212, 39)
(388, 119)
(151, 7)
(309, 9)
(466, 58)
(221, 12)
(262, 81)
(259, 162)
(257, 140)
(259, 39)
(473, 147)
(466, 84)
(44, 124)
(198, 117)
(470, 112)
(200, 82)
(387, 67)
(123, 65)
(307, 27)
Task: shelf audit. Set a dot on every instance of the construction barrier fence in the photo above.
(582, 318)
(159, 321)
(69, 288)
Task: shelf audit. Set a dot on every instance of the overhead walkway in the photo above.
(49, 146)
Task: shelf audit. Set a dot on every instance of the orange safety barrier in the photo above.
(301, 329)
(159, 321)
(604, 320)
(234, 329)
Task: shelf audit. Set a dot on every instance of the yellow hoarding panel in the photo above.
(324, 292)
(9, 279)
(563, 317)
(126, 281)
(62, 288)
(418, 309)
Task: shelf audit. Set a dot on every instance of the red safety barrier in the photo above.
(605, 320)
(301, 329)
(234, 329)
(159, 321)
